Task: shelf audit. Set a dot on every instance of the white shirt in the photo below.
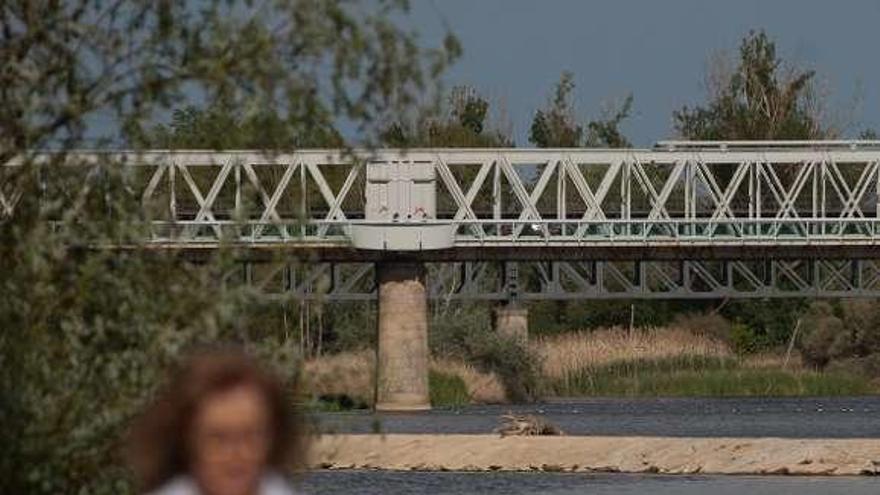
(270, 484)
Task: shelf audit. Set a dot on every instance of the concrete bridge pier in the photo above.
(512, 320)
(402, 357)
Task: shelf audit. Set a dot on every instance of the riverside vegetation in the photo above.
(697, 355)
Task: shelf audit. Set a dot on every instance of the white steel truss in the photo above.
(511, 197)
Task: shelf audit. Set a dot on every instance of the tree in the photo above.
(762, 99)
(605, 132)
(87, 332)
(556, 125)
(220, 127)
(463, 122)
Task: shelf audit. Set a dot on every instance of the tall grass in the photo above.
(561, 355)
(447, 390)
(701, 377)
(670, 361)
(676, 362)
(351, 374)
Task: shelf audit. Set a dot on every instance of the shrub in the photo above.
(513, 362)
(710, 325)
(769, 323)
(846, 334)
(555, 317)
(744, 339)
(465, 333)
(447, 389)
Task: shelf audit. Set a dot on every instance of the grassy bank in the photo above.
(673, 362)
(701, 376)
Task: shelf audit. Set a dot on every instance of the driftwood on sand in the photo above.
(526, 425)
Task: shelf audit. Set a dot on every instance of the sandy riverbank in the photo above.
(599, 454)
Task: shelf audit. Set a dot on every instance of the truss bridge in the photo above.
(680, 220)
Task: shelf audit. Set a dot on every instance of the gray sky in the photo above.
(656, 49)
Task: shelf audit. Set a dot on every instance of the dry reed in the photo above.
(483, 388)
(351, 373)
(567, 353)
(347, 373)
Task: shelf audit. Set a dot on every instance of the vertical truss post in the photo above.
(813, 273)
(823, 190)
(816, 177)
(247, 273)
(511, 287)
(172, 191)
(856, 274)
(561, 206)
(497, 195)
(752, 196)
(685, 275)
(288, 282)
(239, 214)
(690, 198)
(625, 192)
(728, 275)
(640, 277)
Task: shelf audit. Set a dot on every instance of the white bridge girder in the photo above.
(510, 197)
(804, 196)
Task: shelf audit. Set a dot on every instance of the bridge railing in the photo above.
(798, 231)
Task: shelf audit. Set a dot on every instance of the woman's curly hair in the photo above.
(158, 443)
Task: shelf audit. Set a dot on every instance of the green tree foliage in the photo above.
(606, 133)
(219, 127)
(761, 100)
(86, 332)
(556, 125)
(463, 122)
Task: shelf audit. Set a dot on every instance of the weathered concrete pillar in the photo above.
(512, 321)
(402, 364)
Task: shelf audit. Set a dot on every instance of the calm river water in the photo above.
(379, 482)
(857, 417)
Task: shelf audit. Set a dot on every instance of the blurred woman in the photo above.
(222, 425)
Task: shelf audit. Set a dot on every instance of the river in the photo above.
(838, 417)
(393, 483)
